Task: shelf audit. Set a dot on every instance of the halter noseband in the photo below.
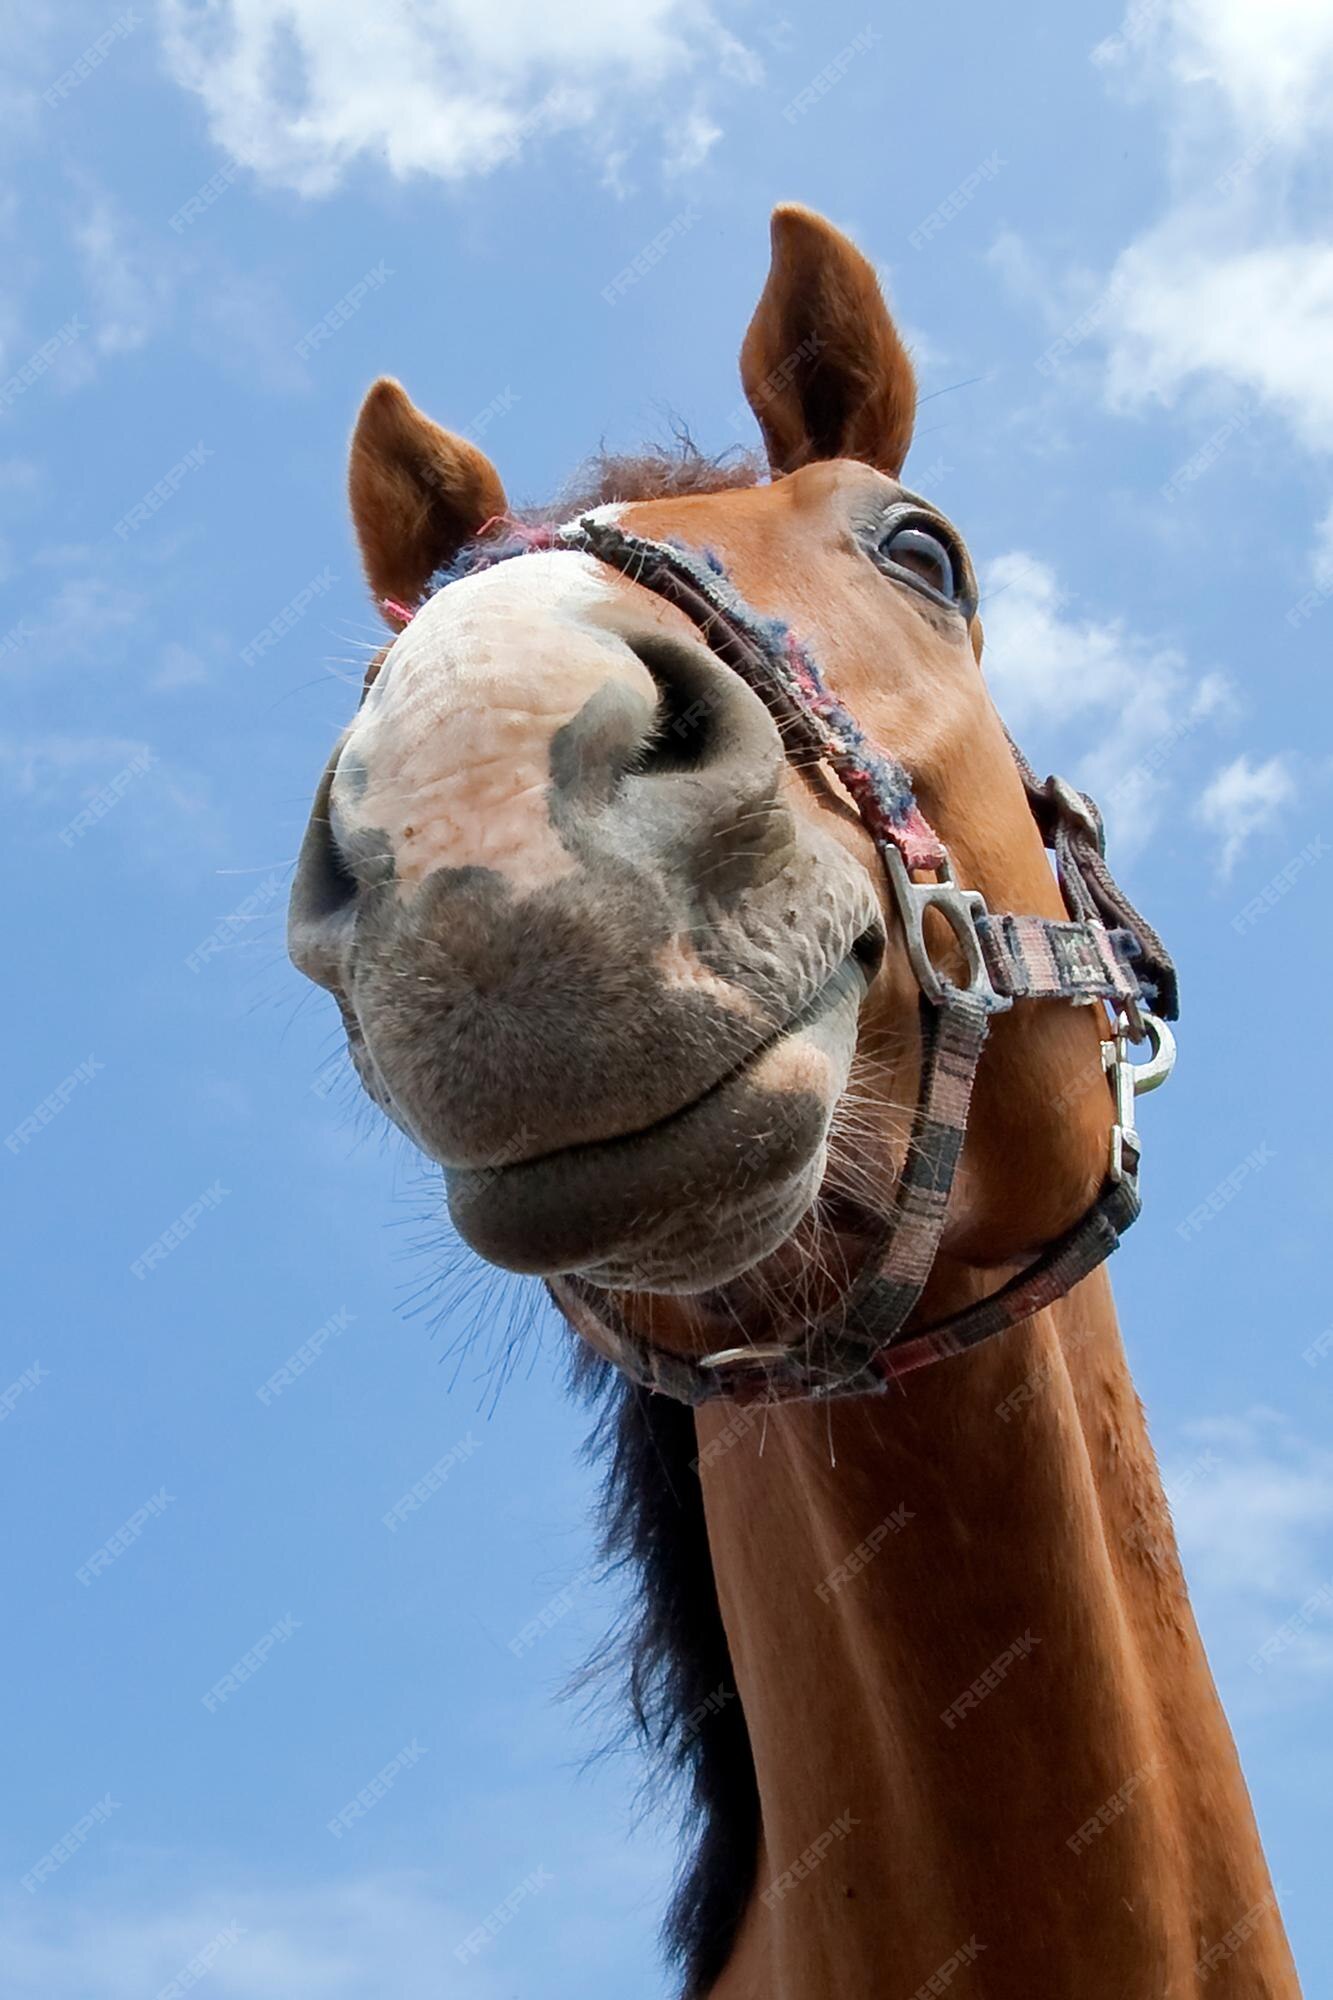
(1104, 951)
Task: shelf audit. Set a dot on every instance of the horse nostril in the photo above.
(323, 888)
(685, 727)
(868, 950)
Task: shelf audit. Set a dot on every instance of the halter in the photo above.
(1104, 951)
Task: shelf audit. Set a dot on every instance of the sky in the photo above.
(1106, 240)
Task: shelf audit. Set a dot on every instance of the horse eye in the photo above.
(925, 556)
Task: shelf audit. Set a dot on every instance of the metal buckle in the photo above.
(961, 908)
(1130, 1080)
(741, 1358)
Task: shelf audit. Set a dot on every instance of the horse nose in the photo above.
(669, 762)
(508, 895)
(690, 780)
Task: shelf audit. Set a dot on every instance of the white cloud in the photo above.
(1261, 318)
(1231, 288)
(179, 667)
(1114, 706)
(301, 90)
(353, 1940)
(1273, 63)
(1241, 800)
(40, 768)
(85, 622)
(1252, 1503)
(128, 286)
(1321, 556)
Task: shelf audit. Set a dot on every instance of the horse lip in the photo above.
(859, 957)
(572, 1209)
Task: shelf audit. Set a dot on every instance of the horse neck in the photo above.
(984, 1730)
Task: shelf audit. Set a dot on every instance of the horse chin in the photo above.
(709, 1250)
(693, 1202)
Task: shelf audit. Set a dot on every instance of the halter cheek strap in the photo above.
(1103, 952)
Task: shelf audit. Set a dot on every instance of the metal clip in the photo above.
(1130, 1080)
(1075, 807)
(961, 908)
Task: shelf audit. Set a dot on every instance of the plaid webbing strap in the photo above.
(1103, 951)
(861, 1347)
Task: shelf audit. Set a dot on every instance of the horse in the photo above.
(686, 901)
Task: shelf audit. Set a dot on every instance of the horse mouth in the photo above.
(696, 1197)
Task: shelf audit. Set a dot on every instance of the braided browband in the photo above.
(1105, 951)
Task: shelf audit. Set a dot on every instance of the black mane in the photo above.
(673, 1655)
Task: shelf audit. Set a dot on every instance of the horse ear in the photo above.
(417, 492)
(822, 364)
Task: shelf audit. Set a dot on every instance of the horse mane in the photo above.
(656, 472)
(671, 1658)
(670, 1655)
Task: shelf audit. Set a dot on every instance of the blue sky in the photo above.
(1107, 241)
